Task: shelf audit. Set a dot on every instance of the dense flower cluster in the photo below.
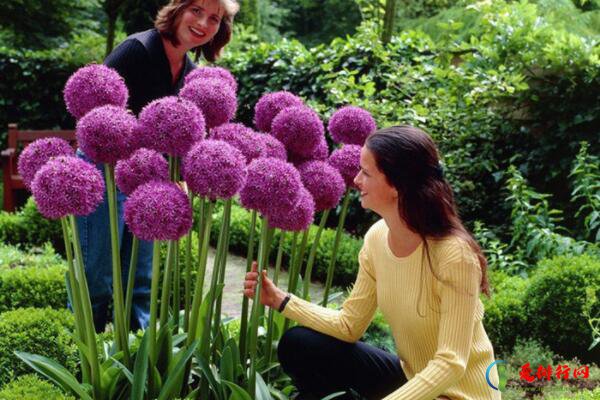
(320, 152)
(299, 129)
(217, 101)
(171, 125)
(93, 86)
(215, 73)
(214, 169)
(105, 134)
(324, 182)
(269, 105)
(240, 137)
(272, 186)
(351, 125)
(347, 161)
(272, 146)
(158, 211)
(299, 217)
(67, 185)
(38, 153)
(143, 166)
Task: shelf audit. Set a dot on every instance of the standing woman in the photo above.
(154, 64)
(424, 271)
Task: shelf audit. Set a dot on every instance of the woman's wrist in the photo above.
(279, 299)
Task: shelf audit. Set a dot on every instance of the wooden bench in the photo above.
(17, 140)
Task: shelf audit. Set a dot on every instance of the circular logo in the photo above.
(487, 374)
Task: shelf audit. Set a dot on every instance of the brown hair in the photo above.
(409, 159)
(169, 16)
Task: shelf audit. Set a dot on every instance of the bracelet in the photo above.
(284, 302)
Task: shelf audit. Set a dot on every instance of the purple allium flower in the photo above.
(272, 146)
(321, 152)
(105, 134)
(214, 169)
(324, 182)
(270, 104)
(171, 125)
(142, 166)
(299, 129)
(93, 86)
(347, 161)
(272, 186)
(217, 101)
(215, 73)
(351, 125)
(67, 185)
(38, 153)
(241, 137)
(299, 218)
(158, 211)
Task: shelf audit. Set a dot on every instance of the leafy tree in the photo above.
(138, 15)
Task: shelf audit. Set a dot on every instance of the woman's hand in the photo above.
(270, 295)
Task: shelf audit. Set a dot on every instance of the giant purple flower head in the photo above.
(38, 153)
(105, 134)
(216, 100)
(272, 186)
(142, 166)
(299, 218)
(93, 86)
(321, 152)
(67, 185)
(214, 169)
(347, 161)
(158, 211)
(351, 125)
(272, 146)
(299, 129)
(214, 73)
(171, 125)
(240, 137)
(324, 182)
(270, 104)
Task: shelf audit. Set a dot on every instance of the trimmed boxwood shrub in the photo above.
(42, 331)
(31, 387)
(556, 295)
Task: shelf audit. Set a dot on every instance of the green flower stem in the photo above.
(269, 340)
(135, 245)
(75, 297)
(336, 244)
(176, 306)
(118, 301)
(197, 300)
(244, 318)
(295, 271)
(166, 283)
(188, 267)
(80, 282)
(154, 304)
(312, 254)
(263, 249)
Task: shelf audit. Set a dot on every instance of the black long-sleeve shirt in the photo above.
(141, 60)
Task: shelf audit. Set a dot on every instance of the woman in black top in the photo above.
(154, 64)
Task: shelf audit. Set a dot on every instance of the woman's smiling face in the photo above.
(376, 193)
(199, 23)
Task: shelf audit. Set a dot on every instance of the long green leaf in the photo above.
(169, 388)
(262, 390)
(140, 370)
(226, 365)
(237, 393)
(55, 372)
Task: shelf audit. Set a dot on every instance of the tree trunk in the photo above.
(110, 34)
(388, 21)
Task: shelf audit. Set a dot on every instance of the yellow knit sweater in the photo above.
(445, 350)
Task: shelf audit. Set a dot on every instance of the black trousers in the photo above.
(320, 365)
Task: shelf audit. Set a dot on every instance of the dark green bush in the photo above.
(31, 387)
(555, 299)
(42, 331)
(31, 280)
(505, 318)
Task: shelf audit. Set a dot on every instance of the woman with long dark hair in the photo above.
(423, 270)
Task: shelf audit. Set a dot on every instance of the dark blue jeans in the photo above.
(94, 235)
(320, 365)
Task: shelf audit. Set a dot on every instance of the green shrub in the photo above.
(555, 301)
(379, 334)
(42, 331)
(505, 318)
(31, 387)
(530, 351)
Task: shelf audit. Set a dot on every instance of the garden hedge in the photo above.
(31, 387)
(42, 331)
